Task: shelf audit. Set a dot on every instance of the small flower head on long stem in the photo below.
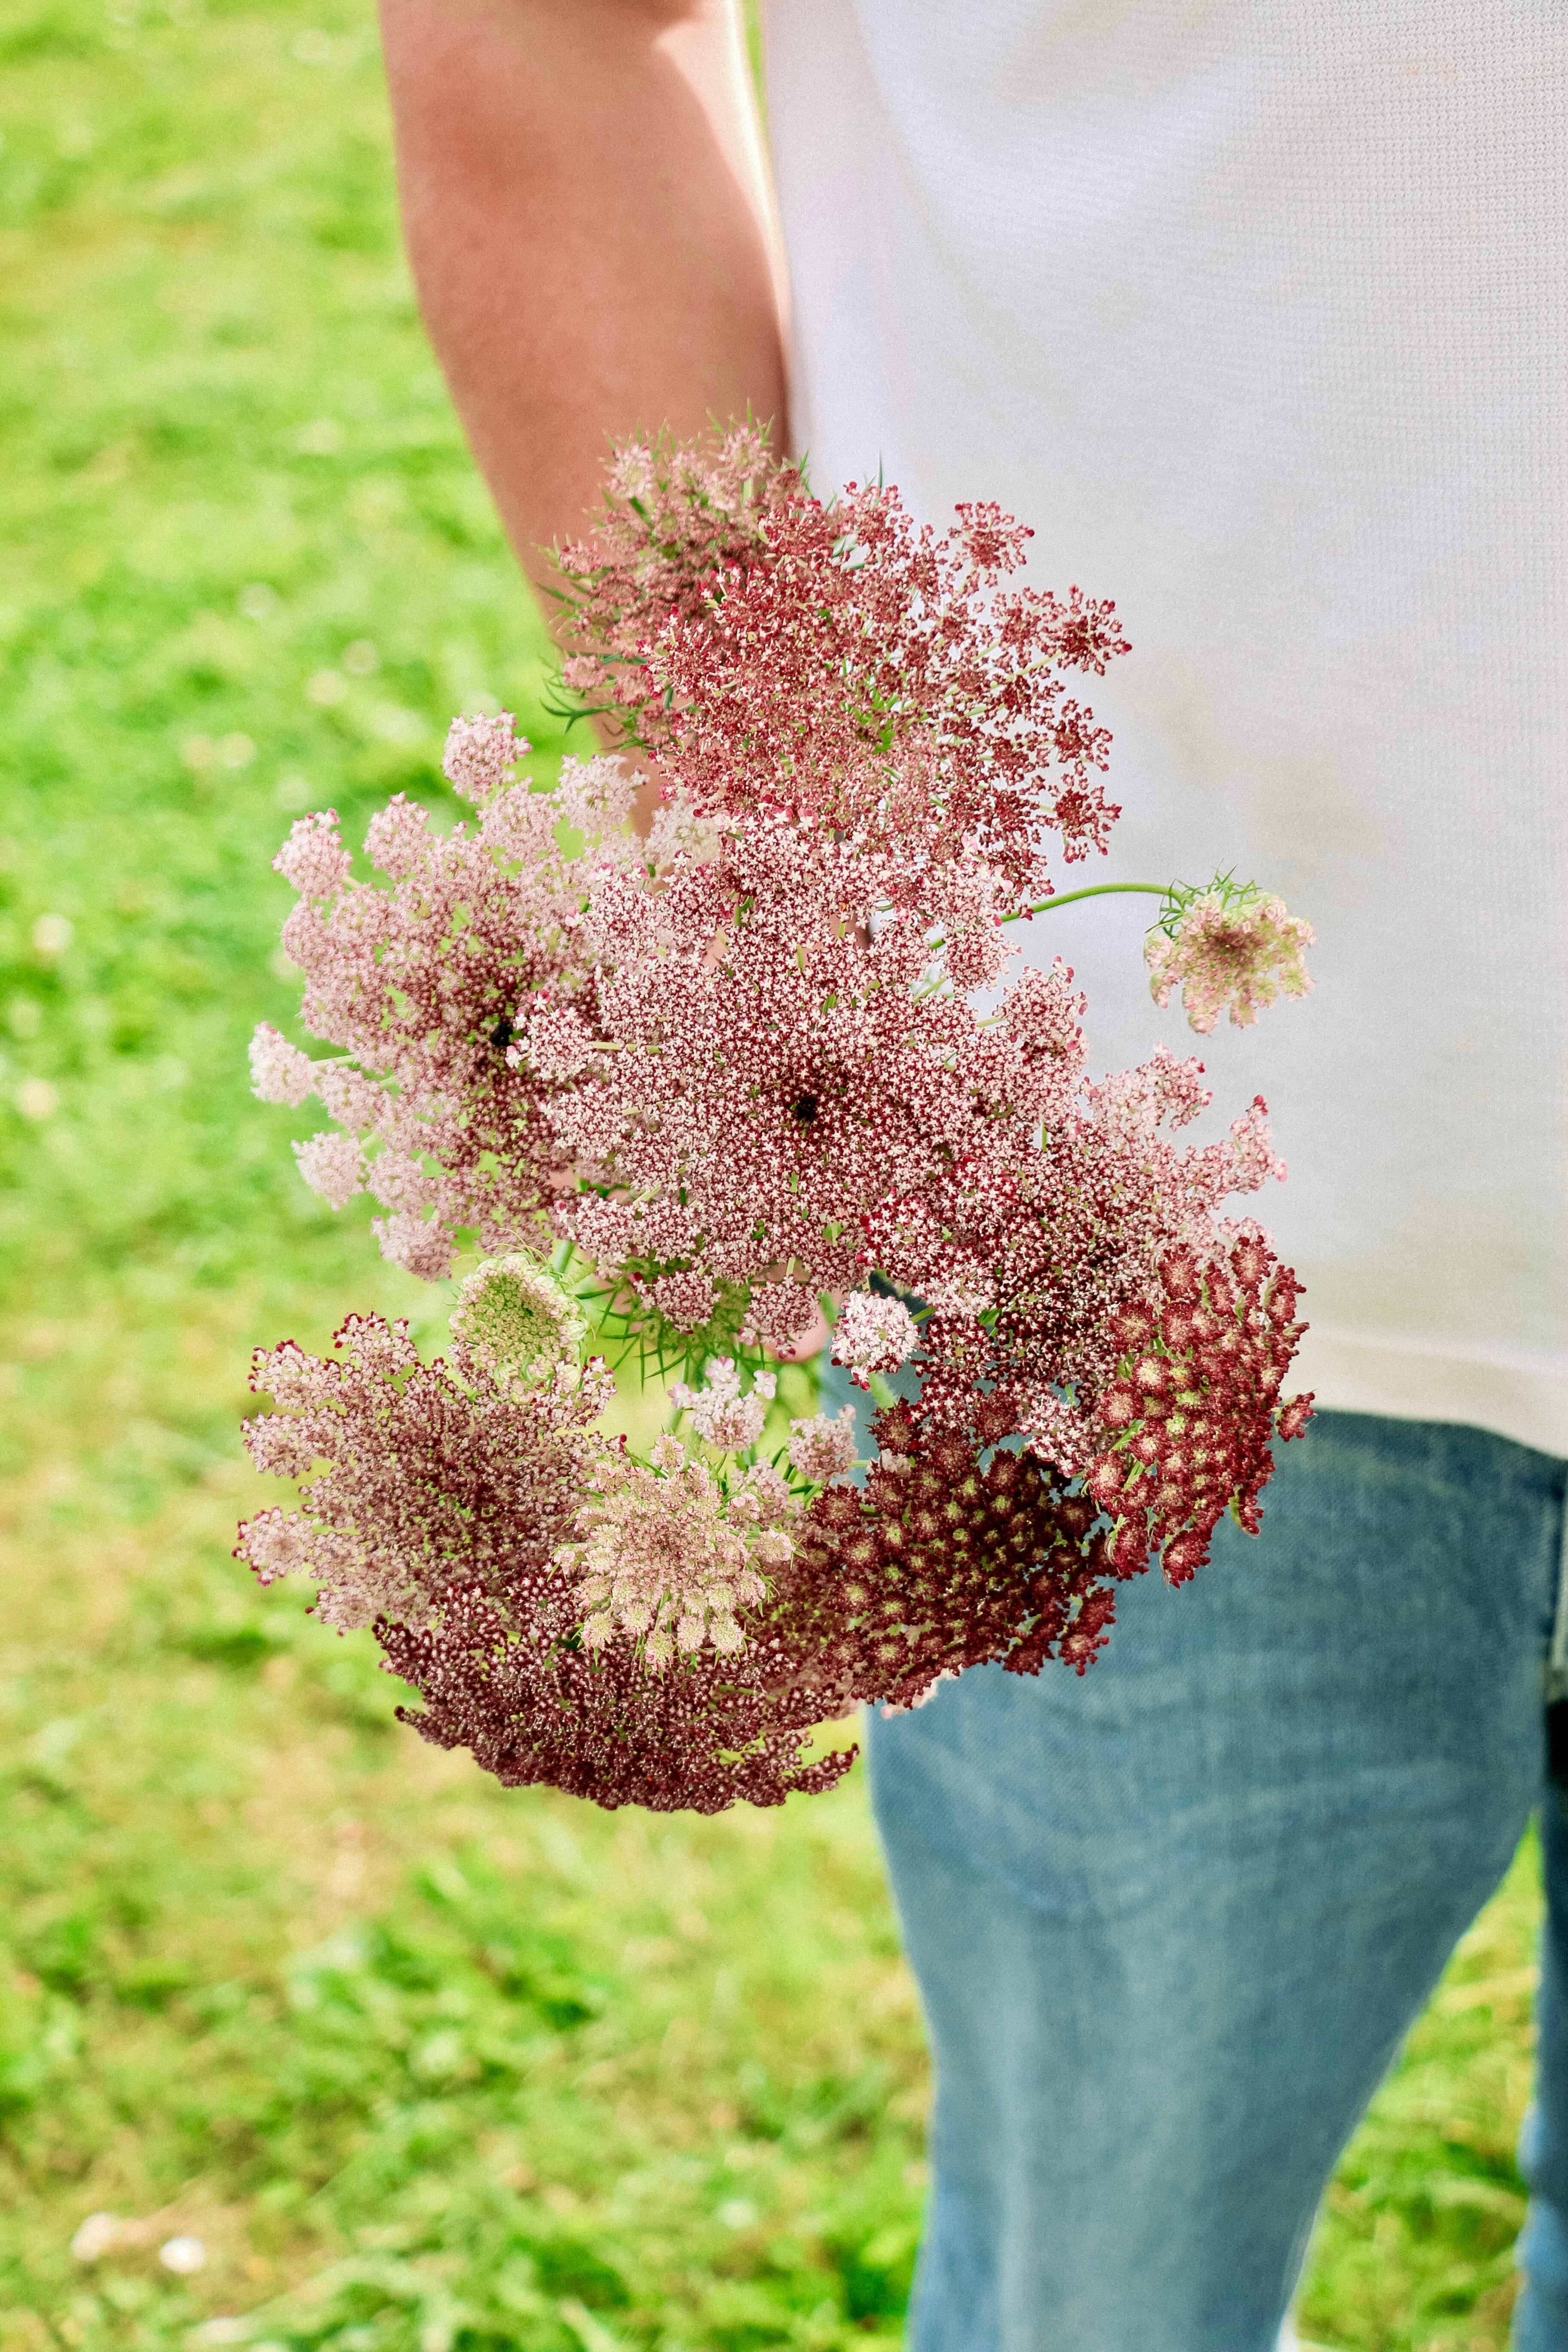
(1230, 948)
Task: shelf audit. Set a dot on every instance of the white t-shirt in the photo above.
(1257, 312)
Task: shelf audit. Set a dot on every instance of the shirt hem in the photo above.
(1353, 1372)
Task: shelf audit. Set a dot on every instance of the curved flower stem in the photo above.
(1091, 890)
(1067, 899)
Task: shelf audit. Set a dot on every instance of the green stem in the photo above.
(1091, 890)
(1067, 899)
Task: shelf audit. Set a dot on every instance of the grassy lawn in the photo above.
(421, 2064)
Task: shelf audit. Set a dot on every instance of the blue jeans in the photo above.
(1170, 1921)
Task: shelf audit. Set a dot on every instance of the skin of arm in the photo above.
(588, 219)
(590, 226)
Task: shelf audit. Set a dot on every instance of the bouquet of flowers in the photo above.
(682, 1096)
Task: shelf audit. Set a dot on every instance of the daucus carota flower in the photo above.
(481, 754)
(278, 1543)
(676, 520)
(332, 1166)
(721, 1415)
(426, 989)
(782, 1311)
(313, 859)
(719, 1077)
(279, 1073)
(844, 666)
(685, 1300)
(1230, 948)
(1026, 1277)
(663, 1555)
(974, 959)
(421, 1245)
(824, 1446)
(766, 1079)
(412, 1480)
(1185, 1427)
(517, 1320)
(873, 1335)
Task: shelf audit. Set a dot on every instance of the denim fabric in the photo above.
(1171, 1920)
(1541, 2315)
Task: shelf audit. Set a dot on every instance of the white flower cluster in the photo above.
(873, 1335)
(721, 1415)
(279, 1073)
(825, 1447)
(669, 1554)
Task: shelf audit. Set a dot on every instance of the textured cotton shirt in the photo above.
(1257, 312)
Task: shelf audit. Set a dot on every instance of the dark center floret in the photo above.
(805, 1108)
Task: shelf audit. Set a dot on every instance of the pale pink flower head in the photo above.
(1230, 948)
(762, 1080)
(397, 838)
(399, 1180)
(595, 796)
(873, 1335)
(724, 1380)
(421, 1246)
(721, 1415)
(769, 1492)
(1044, 1016)
(279, 1073)
(481, 754)
(781, 1312)
(278, 1543)
(663, 1556)
(733, 1424)
(313, 858)
(353, 1101)
(825, 1447)
(332, 1166)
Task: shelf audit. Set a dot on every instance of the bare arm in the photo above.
(587, 219)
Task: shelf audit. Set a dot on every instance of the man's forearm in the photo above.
(586, 221)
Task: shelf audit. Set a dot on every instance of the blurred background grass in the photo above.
(421, 2064)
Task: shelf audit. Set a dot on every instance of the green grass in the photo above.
(424, 2064)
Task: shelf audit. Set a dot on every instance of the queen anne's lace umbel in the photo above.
(681, 1094)
(1229, 949)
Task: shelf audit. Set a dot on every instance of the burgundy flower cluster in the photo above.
(693, 1089)
(417, 1478)
(848, 668)
(440, 1503)
(1030, 1272)
(1187, 1424)
(677, 518)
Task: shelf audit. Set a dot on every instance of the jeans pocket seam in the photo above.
(1557, 1646)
